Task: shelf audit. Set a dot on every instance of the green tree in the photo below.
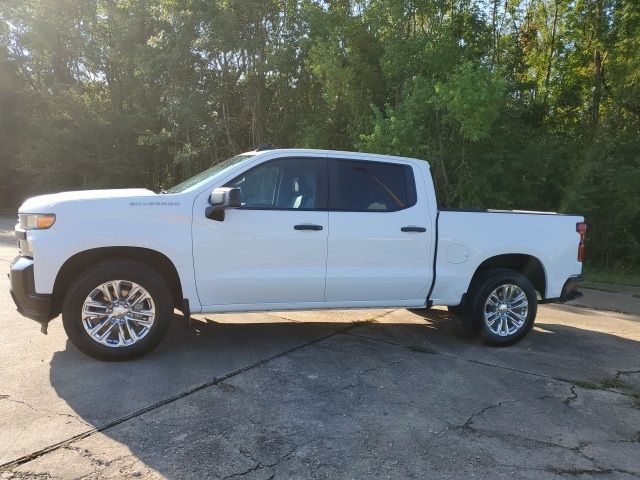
(531, 104)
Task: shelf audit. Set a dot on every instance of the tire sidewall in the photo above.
(136, 272)
(488, 285)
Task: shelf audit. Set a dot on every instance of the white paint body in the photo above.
(255, 260)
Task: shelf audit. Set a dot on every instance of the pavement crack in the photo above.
(468, 424)
(261, 466)
(362, 372)
(577, 472)
(97, 464)
(366, 320)
(42, 410)
(31, 475)
(375, 318)
(571, 398)
(566, 400)
(634, 439)
(269, 314)
(336, 389)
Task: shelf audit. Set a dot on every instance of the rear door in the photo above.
(379, 240)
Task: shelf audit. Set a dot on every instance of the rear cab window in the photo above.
(368, 186)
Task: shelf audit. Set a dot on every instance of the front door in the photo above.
(273, 249)
(379, 238)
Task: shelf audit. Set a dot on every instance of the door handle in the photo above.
(413, 229)
(306, 226)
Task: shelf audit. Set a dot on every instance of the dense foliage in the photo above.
(527, 104)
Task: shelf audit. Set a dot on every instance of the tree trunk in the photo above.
(494, 59)
(597, 90)
(551, 52)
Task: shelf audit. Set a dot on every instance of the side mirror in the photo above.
(220, 199)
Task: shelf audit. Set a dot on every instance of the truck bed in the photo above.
(466, 237)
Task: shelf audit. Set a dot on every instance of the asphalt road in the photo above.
(344, 394)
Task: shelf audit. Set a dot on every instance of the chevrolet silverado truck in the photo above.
(284, 229)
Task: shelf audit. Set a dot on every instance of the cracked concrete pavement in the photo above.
(344, 394)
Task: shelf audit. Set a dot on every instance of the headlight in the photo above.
(36, 221)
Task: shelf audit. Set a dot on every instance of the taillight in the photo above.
(581, 228)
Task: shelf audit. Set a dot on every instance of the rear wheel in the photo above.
(503, 306)
(117, 310)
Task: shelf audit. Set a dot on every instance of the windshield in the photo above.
(208, 173)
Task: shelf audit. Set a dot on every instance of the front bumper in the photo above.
(29, 303)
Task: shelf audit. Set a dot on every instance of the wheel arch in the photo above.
(79, 262)
(527, 265)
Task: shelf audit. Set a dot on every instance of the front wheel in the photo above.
(503, 307)
(117, 310)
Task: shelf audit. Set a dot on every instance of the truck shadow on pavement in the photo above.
(326, 399)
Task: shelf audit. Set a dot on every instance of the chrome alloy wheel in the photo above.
(506, 310)
(118, 313)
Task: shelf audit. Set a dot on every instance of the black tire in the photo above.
(483, 286)
(100, 273)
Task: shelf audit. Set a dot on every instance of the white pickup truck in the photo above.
(284, 230)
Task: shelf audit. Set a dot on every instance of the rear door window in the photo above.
(363, 186)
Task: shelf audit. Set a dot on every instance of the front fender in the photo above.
(116, 222)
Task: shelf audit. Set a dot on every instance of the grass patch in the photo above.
(614, 275)
(603, 384)
(612, 383)
(586, 385)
